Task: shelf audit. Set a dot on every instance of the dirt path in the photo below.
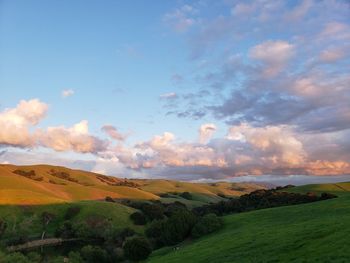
(40, 243)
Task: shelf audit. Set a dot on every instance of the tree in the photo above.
(15, 257)
(93, 254)
(72, 212)
(109, 199)
(172, 230)
(137, 248)
(207, 224)
(178, 227)
(3, 227)
(74, 257)
(153, 211)
(138, 218)
(186, 195)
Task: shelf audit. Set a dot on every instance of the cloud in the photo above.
(273, 54)
(76, 138)
(181, 19)
(18, 129)
(113, 133)
(168, 96)
(67, 93)
(332, 55)
(15, 123)
(246, 150)
(206, 131)
(300, 10)
(277, 144)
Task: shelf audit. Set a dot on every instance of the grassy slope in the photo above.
(315, 232)
(27, 218)
(19, 190)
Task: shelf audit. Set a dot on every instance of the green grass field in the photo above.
(314, 232)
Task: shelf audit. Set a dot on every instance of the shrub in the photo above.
(46, 218)
(109, 199)
(137, 248)
(174, 229)
(15, 257)
(3, 227)
(221, 195)
(324, 196)
(34, 257)
(172, 208)
(155, 229)
(93, 254)
(153, 211)
(95, 226)
(178, 227)
(207, 224)
(65, 230)
(186, 195)
(74, 257)
(72, 212)
(138, 218)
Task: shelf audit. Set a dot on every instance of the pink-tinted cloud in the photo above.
(76, 139)
(273, 54)
(15, 123)
(113, 132)
(206, 132)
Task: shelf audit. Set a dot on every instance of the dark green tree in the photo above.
(137, 248)
(207, 224)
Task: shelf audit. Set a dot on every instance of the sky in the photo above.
(184, 90)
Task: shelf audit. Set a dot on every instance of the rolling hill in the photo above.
(314, 232)
(45, 184)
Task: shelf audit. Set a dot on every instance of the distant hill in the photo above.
(46, 184)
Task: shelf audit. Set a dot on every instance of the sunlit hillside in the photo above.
(45, 184)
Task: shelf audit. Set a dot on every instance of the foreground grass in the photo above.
(314, 232)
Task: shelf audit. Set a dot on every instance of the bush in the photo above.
(172, 230)
(207, 224)
(93, 254)
(109, 199)
(186, 195)
(137, 248)
(74, 257)
(3, 227)
(72, 212)
(65, 230)
(15, 257)
(178, 227)
(138, 218)
(95, 226)
(34, 257)
(46, 218)
(173, 208)
(153, 211)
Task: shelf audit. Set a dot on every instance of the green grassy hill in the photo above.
(314, 232)
(27, 219)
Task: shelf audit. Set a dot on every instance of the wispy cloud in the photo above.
(67, 93)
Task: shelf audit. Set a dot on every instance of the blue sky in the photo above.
(197, 90)
(115, 60)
